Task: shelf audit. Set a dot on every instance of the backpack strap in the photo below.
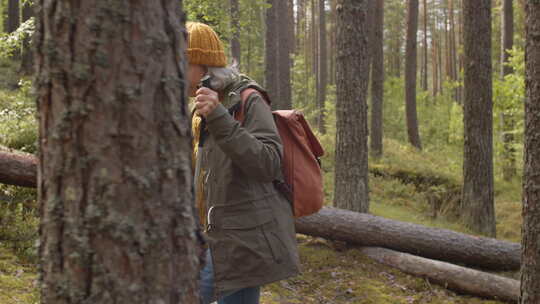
(238, 110)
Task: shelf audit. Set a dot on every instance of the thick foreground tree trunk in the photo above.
(115, 178)
(440, 244)
(457, 278)
(18, 169)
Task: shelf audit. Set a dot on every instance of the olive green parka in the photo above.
(249, 223)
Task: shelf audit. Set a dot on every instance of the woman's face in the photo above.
(195, 73)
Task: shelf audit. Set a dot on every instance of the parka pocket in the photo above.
(254, 239)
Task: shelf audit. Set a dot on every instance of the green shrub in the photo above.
(19, 220)
(18, 126)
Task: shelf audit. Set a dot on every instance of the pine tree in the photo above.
(117, 216)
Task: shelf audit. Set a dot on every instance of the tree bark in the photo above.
(323, 68)
(452, 48)
(13, 22)
(115, 178)
(351, 164)
(508, 125)
(477, 203)
(450, 276)
(377, 80)
(332, 37)
(530, 269)
(425, 45)
(440, 244)
(271, 51)
(410, 75)
(27, 62)
(284, 99)
(235, 29)
(314, 41)
(434, 63)
(18, 169)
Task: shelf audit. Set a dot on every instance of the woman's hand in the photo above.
(206, 100)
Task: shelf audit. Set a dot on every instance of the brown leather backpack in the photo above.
(303, 184)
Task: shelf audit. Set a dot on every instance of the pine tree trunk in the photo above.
(450, 276)
(377, 81)
(117, 216)
(508, 124)
(271, 51)
(425, 55)
(27, 62)
(13, 22)
(283, 100)
(18, 168)
(452, 48)
(364, 229)
(410, 74)
(314, 41)
(235, 29)
(477, 201)
(440, 77)
(323, 68)
(291, 28)
(434, 64)
(332, 53)
(447, 65)
(300, 23)
(351, 164)
(530, 268)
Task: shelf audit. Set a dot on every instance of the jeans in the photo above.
(249, 295)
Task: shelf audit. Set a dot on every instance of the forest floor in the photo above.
(330, 275)
(406, 185)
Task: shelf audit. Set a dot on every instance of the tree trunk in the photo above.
(18, 169)
(477, 208)
(377, 80)
(351, 160)
(235, 29)
(434, 63)
(283, 100)
(440, 77)
(508, 125)
(425, 55)
(410, 75)
(13, 20)
(440, 244)
(115, 179)
(530, 269)
(27, 62)
(271, 52)
(452, 48)
(323, 68)
(314, 41)
(332, 52)
(453, 277)
(300, 24)
(291, 28)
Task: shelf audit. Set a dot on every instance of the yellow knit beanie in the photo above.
(204, 46)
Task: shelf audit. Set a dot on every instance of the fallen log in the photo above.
(17, 168)
(453, 277)
(439, 244)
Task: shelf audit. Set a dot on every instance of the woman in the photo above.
(249, 224)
